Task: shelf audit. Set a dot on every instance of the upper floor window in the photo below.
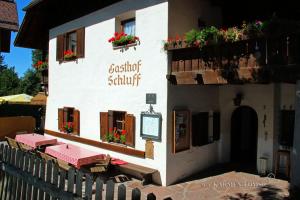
(128, 26)
(70, 45)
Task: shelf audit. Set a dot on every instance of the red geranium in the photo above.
(69, 54)
(122, 39)
(41, 64)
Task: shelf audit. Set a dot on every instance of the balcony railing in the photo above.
(260, 60)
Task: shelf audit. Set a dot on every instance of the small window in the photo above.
(70, 45)
(115, 124)
(128, 26)
(202, 132)
(69, 120)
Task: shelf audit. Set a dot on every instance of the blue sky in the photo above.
(20, 58)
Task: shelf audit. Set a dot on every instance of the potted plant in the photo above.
(123, 40)
(69, 55)
(109, 137)
(68, 127)
(117, 136)
(41, 65)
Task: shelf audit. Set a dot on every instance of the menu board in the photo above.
(151, 126)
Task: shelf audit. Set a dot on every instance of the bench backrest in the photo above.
(12, 143)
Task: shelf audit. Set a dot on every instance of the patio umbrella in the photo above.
(19, 98)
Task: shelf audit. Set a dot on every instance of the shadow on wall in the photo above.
(267, 192)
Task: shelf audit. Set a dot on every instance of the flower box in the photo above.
(69, 55)
(122, 40)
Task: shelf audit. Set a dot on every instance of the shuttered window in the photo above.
(287, 122)
(74, 41)
(119, 121)
(71, 117)
(200, 128)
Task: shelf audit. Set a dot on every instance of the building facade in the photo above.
(104, 87)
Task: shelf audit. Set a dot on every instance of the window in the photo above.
(72, 41)
(119, 120)
(287, 122)
(128, 26)
(202, 133)
(69, 120)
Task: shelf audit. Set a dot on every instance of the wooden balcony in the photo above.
(261, 60)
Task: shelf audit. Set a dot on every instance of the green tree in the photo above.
(31, 82)
(9, 81)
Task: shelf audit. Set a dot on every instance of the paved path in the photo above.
(228, 186)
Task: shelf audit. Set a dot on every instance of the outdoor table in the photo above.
(75, 155)
(35, 140)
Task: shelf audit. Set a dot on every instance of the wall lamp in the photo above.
(237, 100)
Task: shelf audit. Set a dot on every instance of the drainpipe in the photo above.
(295, 161)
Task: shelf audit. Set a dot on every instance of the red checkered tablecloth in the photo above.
(35, 140)
(73, 154)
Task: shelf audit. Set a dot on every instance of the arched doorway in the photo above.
(244, 124)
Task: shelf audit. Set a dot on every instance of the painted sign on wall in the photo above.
(125, 74)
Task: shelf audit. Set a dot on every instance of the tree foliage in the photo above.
(9, 80)
(11, 84)
(31, 82)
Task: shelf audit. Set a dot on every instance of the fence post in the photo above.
(7, 160)
(78, 188)
(36, 174)
(122, 192)
(42, 177)
(20, 160)
(110, 190)
(71, 174)
(30, 170)
(151, 196)
(48, 176)
(136, 194)
(88, 187)
(14, 179)
(99, 188)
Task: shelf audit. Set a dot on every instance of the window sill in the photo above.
(69, 60)
(103, 145)
(125, 46)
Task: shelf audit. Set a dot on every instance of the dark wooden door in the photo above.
(244, 124)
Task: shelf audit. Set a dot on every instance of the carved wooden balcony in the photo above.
(261, 60)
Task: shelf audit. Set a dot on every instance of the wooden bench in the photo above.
(138, 171)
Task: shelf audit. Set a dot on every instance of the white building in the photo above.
(106, 87)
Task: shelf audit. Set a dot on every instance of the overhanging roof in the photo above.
(42, 15)
(8, 22)
(8, 16)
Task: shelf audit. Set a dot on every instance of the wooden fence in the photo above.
(26, 176)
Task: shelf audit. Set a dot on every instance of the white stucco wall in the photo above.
(195, 99)
(261, 99)
(84, 84)
(287, 98)
(220, 98)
